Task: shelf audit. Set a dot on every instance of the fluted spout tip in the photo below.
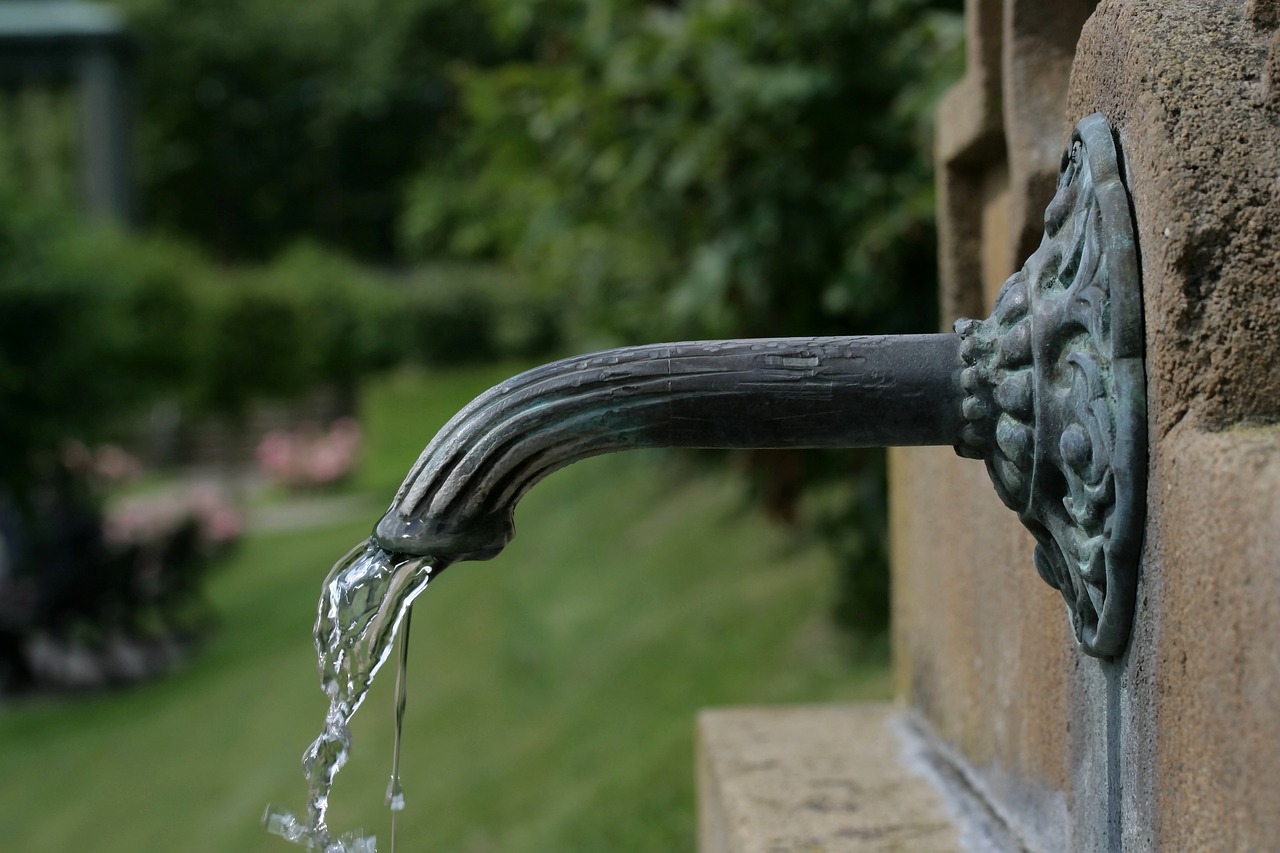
(479, 538)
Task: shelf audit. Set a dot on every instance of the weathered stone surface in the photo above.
(1175, 746)
(819, 779)
(1184, 89)
(998, 147)
(1039, 45)
(980, 650)
(1264, 14)
(1202, 700)
(1192, 98)
(969, 143)
(970, 116)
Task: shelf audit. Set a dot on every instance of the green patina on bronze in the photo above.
(1056, 396)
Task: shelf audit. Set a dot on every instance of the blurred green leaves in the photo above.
(714, 168)
(658, 169)
(95, 325)
(704, 168)
(266, 121)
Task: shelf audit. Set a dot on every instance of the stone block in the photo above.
(1201, 748)
(817, 779)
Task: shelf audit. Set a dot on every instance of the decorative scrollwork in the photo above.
(1055, 394)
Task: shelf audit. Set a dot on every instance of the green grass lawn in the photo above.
(552, 690)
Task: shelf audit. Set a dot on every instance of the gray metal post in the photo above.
(106, 136)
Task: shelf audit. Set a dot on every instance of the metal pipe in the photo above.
(1049, 391)
(459, 497)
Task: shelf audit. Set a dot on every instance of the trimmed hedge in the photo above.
(95, 324)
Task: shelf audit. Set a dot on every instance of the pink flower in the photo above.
(114, 464)
(153, 519)
(310, 457)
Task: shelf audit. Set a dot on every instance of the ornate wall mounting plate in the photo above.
(1055, 394)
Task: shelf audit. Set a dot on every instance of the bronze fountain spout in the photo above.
(1049, 391)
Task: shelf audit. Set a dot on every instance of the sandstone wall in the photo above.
(1175, 746)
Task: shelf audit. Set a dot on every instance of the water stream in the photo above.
(364, 604)
(395, 790)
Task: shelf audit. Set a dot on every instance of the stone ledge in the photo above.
(815, 779)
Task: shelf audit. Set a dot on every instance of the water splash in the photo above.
(366, 598)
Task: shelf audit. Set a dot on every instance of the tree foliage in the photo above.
(714, 168)
(263, 121)
(95, 325)
(72, 354)
(665, 168)
(704, 168)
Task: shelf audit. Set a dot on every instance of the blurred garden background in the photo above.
(342, 221)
